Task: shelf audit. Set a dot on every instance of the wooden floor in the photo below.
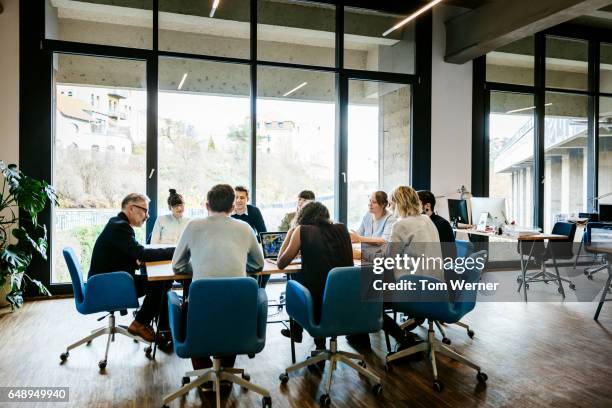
(535, 354)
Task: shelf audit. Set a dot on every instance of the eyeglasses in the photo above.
(146, 210)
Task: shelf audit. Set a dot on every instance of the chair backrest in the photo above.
(74, 267)
(564, 248)
(343, 307)
(222, 317)
(464, 248)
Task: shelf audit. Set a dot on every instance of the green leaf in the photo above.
(15, 298)
(42, 289)
(13, 258)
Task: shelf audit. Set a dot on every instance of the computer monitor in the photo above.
(458, 211)
(496, 207)
(271, 243)
(605, 212)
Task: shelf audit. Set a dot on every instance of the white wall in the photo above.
(9, 81)
(451, 116)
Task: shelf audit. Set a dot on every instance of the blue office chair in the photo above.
(225, 317)
(436, 306)
(343, 313)
(107, 292)
(593, 233)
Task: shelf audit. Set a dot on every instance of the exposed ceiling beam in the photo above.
(496, 24)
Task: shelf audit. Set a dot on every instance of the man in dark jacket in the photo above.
(445, 230)
(247, 212)
(117, 249)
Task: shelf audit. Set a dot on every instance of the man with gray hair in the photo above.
(117, 249)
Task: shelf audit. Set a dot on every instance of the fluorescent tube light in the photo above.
(412, 16)
(214, 8)
(182, 81)
(527, 108)
(303, 84)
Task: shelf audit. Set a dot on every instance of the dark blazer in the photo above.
(253, 218)
(116, 249)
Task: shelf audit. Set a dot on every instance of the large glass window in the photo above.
(219, 28)
(125, 23)
(605, 73)
(512, 63)
(295, 139)
(605, 150)
(565, 167)
(203, 129)
(372, 43)
(99, 146)
(379, 129)
(299, 32)
(511, 147)
(566, 63)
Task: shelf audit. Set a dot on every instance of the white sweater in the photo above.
(415, 236)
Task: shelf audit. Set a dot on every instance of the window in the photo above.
(513, 63)
(295, 139)
(605, 150)
(566, 63)
(379, 129)
(204, 129)
(511, 148)
(91, 186)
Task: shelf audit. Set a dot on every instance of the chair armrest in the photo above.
(299, 304)
(111, 291)
(262, 313)
(175, 317)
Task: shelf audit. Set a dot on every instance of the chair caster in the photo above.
(377, 390)
(438, 386)
(88, 343)
(102, 364)
(148, 352)
(470, 333)
(572, 286)
(560, 290)
(446, 340)
(482, 377)
(519, 279)
(527, 286)
(363, 364)
(246, 377)
(266, 402)
(284, 378)
(251, 355)
(325, 400)
(135, 341)
(589, 277)
(64, 356)
(185, 380)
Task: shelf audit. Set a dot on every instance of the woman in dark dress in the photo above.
(324, 245)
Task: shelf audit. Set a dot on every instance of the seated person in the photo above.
(289, 219)
(445, 230)
(116, 249)
(411, 235)
(323, 246)
(168, 228)
(376, 225)
(247, 212)
(217, 246)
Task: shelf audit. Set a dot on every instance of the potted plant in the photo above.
(21, 238)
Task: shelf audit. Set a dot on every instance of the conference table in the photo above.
(524, 280)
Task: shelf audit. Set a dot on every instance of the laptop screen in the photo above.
(271, 243)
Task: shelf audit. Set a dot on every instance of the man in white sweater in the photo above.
(218, 246)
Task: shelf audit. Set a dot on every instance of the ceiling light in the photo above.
(527, 108)
(303, 84)
(412, 16)
(182, 81)
(214, 8)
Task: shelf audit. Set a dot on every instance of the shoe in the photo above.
(295, 336)
(164, 342)
(145, 332)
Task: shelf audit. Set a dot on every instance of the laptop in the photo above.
(271, 243)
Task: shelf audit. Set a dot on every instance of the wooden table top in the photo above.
(600, 248)
(535, 237)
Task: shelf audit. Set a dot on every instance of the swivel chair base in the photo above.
(445, 338)
(433, 346)
(109, 330)
(216, 375)
(543, 276)
(334, 356)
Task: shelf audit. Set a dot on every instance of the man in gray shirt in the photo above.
(218, 246)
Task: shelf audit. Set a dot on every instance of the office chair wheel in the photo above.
(251, 355)
(363, 364)
(527, 286)
(185, 380)
(519, 279)
(88, 343)
(377, 389)
(135, 341)
(246, 377)
(482, 377)
(148, 352)
(560, 290)
(438, 386)
(471, 333)
(266, 402)
(64, 356)
(446, 340)
(572, 286)
(325, 400)
(102, 364)
(589, 276)
(284, 378)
